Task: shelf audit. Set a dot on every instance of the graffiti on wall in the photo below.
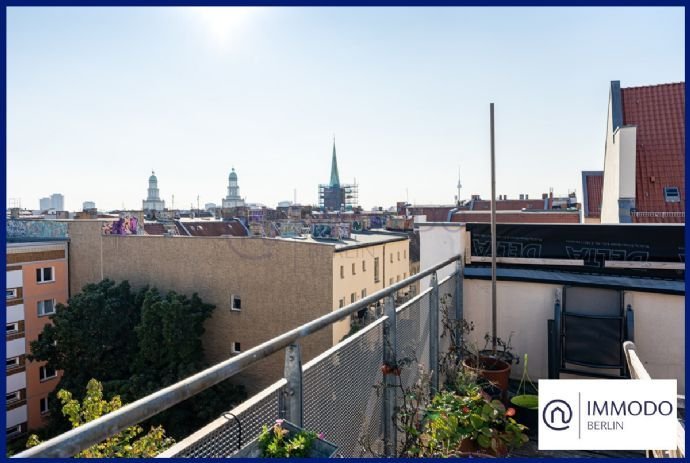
(376, 221)
(127, 225)
(39, 229)
(288, 230)
(330, 231)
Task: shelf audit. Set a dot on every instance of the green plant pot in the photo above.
(320, 448)
(527, 411)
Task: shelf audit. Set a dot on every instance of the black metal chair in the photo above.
(588, 331)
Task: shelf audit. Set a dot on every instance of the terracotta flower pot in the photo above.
(492, 369)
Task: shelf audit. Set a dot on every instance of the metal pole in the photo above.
(493, 232)
(293, 390)
(433, 333)
(458, 307)
(390, 362)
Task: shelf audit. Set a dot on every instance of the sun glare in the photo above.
(223, 23)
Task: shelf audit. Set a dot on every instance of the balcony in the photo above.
(335, 392)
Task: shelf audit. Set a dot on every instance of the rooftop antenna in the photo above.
(493, 230)
(294, 196)
(173, 202)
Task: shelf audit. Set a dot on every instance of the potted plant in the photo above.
(285, 440)
(460, 425)
(527, 404)
(492, 365)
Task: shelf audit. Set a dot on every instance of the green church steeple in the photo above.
(335, 179)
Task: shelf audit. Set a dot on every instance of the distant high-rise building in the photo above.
(233, 199)
(336, 196)
(88, 205)
(57, 202)
(45, 204)
(153, 202)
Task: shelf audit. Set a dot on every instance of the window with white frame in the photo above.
(13, 362)
(672, 194)
(10, 293)
(353, 297)
(43, 405)
(46, 307)
(13, 397)
(13, 328)
(45, 274)
(235, 302)
(14, 430)
(236, 348)
(46, 372)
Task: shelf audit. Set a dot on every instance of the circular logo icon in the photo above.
(557, 414)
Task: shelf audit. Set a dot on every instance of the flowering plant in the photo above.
(277, 442)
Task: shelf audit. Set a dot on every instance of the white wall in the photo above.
(14, 279)
(628, 161)
(438, 242)
(16, 347)
(16, 382)
(524, 309)
(16, 416)
(15, 313)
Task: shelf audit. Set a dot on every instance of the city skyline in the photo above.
(105, 95)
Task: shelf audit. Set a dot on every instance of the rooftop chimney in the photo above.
(522, 197)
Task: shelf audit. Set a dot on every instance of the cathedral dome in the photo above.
(233, 175)
(152, 178)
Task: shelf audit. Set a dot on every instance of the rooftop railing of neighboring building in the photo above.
(658, 214)
(347, 371)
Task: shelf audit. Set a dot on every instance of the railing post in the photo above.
(390, 372)
(433, 333)
(293, 390)
(459, 277)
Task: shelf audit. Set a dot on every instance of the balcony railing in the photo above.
(332, 393)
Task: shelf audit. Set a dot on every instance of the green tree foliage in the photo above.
(130, 443)
(137, 343)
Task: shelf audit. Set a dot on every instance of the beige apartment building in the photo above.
(36, 280)
(261, 287)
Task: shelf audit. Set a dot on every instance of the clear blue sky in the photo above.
(97, 97)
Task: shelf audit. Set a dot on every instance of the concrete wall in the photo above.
(282, 284)
(438, 242)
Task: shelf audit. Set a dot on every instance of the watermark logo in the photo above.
(607, 414)
(557, 415)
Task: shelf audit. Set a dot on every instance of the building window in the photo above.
(14, 430)
(404, 253)
(13, 328)
(341, 303)
(236, 348)
(376, 270)
(353, 268)
(13, 362)
(397, 279)
(404, 275)
(13, 397)
(45, 275)
(236, 303)
(342, 271)
(391, 258)
(43, 405)
(364, 265)
(390, 282)
(353, 297)
(672, 194)
(398, 256)
(364, 293)
(10, 293)
(46, 307)
(46, 373)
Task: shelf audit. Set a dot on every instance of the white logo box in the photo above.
(607, 414)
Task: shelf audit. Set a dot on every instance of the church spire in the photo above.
(335, 179)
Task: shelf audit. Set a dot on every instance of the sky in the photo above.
(97, 98)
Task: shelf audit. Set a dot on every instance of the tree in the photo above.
(93, 336)
(129, 443)
(135, 343)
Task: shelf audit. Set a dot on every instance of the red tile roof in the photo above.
(659, 113)
(594, 182)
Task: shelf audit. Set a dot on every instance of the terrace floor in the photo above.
(529, 450)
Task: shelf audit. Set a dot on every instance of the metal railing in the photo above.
(83, 437)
